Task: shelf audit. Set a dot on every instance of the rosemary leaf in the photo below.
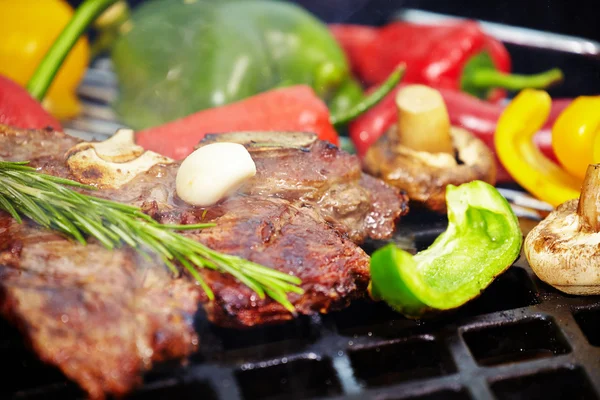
(189, 227)
(196, 275)
(259, 269)
(63, 223)
(27, 206)
(171, 266)
(6, 206)
(282, 299)
(53, 203)
(157, 246)
(246, 279)
(125, 236)
(90, 226)
(61, 181)
(282, 285)
(200, 280)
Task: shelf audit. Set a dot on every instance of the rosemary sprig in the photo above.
(50, 202)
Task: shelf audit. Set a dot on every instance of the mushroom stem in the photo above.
(588, 208)
(423, 121)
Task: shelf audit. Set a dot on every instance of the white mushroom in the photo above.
(563, 250)
(113, 162)
(423, 153)
(423, 121)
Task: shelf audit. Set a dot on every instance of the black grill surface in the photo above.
(521, 339)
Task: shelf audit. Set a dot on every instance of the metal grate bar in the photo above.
(514, 34)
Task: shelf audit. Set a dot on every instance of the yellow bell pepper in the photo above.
(29, 28)
(517, 125)
(576, 135)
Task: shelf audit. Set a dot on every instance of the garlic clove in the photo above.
(213, 172)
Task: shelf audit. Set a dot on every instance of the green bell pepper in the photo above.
(176, 57)
(482, 240)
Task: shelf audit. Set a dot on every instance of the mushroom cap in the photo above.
(563, 255)
(423, 175)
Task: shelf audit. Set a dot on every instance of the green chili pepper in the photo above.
(345, 116)
(482, 240)
(347, 96)
(177, 57)
(480, 75)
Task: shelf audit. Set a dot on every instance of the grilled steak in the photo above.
(306, 171)
(103, 316)
(92, 312)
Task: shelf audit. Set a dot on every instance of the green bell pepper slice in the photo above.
(482, 240)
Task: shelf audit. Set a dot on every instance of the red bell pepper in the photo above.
(294, 108)
(466, 111)
(19, 109)
(354, 39)
(453, 55)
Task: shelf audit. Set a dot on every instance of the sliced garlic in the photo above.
(113, 162)
(213, 172)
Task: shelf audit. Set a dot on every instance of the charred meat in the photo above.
(104, 316)
(94, 313)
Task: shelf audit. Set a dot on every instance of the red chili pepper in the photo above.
(454, 55)
(466, 111)
(19, 109)
(293, 108)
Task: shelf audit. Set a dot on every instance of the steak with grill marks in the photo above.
(103, 317)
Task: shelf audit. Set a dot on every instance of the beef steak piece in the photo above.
(101, 316)
(304, 170)
(104, 316)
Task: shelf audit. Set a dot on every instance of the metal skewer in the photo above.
(513, 34)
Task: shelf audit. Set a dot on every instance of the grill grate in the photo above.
(520, 339)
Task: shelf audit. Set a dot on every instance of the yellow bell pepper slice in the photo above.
(576, 135)
(521, 119)
(29, 28)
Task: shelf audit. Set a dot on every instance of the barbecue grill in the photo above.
(520, 339)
